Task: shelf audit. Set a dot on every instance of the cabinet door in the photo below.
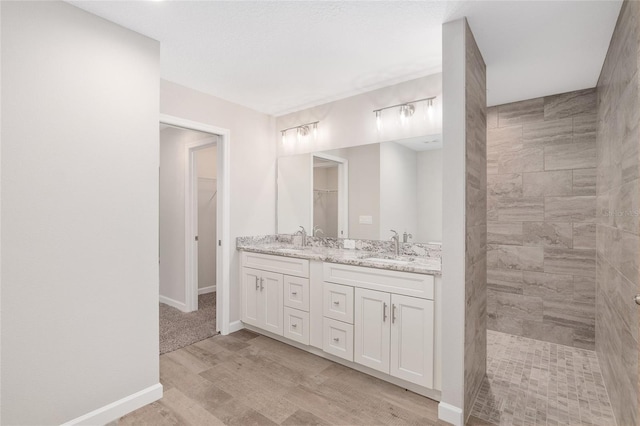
(372, 329)
(251, 296)
(271, 308)
(412, 339)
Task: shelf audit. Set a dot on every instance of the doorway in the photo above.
(194, 261)
(330, 189)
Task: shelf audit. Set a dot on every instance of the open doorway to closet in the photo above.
(188, 246)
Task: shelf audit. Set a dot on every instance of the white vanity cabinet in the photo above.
(263, 279)
(393, 320)
(379, 321)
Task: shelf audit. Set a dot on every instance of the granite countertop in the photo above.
(372, 259)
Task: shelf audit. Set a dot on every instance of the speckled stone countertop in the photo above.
(416, 258)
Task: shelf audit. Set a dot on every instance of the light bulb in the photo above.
(379, 120)
(428, 113)
(284, 137)
(315, 131)
(406, 111)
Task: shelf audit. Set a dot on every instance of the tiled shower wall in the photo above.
(475, 342)
(618, 227)
(541, 211)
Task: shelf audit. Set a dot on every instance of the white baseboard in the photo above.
(235, 326)
(174, 303)
(450, 413)
(119, 408)
(208, 289)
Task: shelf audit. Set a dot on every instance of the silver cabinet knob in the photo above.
(294, 293)
(336, 339)
(294, 325)
(336, 302)
(637, 299)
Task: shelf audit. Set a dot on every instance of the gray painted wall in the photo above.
(80, 101)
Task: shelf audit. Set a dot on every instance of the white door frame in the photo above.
(343, 192)
(223, 211)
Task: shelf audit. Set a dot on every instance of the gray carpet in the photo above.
(179, 329)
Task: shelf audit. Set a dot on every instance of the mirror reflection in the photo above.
(365, 192)
(330, 196)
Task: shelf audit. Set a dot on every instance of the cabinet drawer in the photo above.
(338, 302)
(405, 283)
(296, 293)
(296, 325)
(337, 338)
(281, 264)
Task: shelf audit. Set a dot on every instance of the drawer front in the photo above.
(281, 264)
(296, 293)
(338, 338)
(338, 302)
(296, 325)
(405, 283)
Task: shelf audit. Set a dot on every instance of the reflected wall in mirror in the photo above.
(390, 185)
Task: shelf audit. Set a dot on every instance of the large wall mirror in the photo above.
(364, 192)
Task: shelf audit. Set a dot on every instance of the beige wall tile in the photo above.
(504, 233)
(584, 235)
(580, 262)
(520, 209)
(505, 138)
(585, 124)
(515, 257)
(507, 185)
(504, 280)
(518, 306)
(584, 182)
(553, 132)
(521, 160)
(547, 234)
(546, 285)
(492, 117)
(547, 184)
(570, 104)
(575, 315)
(570, 209)
(584, 290)
(570, 156)
(521, 112)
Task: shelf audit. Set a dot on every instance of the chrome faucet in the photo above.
(405, 237)
(316, 231)
(303, 233)
(396, 242)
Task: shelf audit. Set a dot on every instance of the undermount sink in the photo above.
(389, 261)
(290, 250)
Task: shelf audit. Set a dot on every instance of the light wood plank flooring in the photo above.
(248, 379)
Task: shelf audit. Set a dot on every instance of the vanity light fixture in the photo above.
(407, 109)
(302, 131)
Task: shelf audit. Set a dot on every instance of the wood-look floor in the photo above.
(247, 379)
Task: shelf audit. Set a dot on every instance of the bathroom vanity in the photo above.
(368, 310)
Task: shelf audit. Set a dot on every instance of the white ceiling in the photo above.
(278, 57)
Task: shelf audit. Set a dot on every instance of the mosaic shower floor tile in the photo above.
(531, 382)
